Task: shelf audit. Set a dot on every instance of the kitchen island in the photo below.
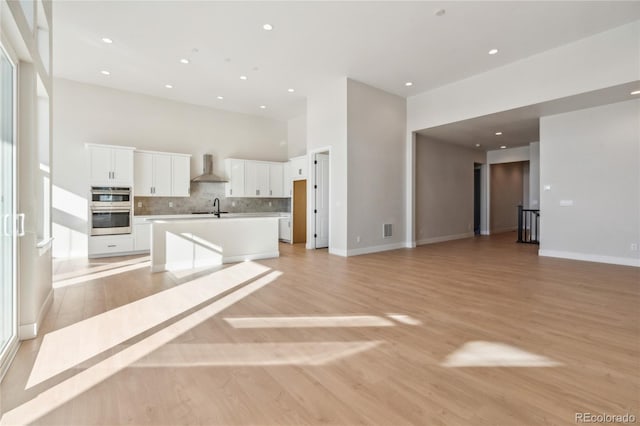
(194, 242)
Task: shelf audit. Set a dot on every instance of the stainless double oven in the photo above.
(111, 209)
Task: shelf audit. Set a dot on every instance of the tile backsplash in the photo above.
(201, 200)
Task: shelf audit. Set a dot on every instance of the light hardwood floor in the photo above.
(564, 337)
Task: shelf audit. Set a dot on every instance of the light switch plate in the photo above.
(566, 203)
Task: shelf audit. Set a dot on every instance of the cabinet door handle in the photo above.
(113, 175)
(270, 192)
(111, 245)
(230, 191)
(257, 192)
(300, 171)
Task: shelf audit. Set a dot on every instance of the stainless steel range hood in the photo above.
(207, 171)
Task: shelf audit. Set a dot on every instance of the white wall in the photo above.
(297, 136)
(508, 155)
(376, 154)
(592, 158)
(88, 113)
(327, 129)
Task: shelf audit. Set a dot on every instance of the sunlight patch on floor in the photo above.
(69, 346)
(103, 274)
(100, 268)
(253, 354)
(494, 354)
(309, 321)
(70, 388)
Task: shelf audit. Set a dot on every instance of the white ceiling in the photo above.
(383, 44)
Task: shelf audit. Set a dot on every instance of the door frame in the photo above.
(311, 182)
(12, 346)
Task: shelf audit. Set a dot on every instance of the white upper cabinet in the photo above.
(249, 178)
(276, 180)
(181, 183)
(110, 166)
(256, 179)
(299, 168)
(161, 174)
(235, 173)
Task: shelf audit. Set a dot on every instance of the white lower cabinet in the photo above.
(110, 245)
(284, 229)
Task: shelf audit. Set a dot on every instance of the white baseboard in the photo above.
(626, 261)
(30, 331)
(485, 232)
(445, 238)
(410, 244)
(256, 256)
(338, 252)
(375, 249)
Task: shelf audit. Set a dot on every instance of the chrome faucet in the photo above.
(216, 202)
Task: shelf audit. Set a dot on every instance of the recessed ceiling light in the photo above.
(267, 27)
(168, 86)
(498, 133)
(105, 72)
(263, 107)
(184, 61)
(408, 84)
(636, 92)
(477, 145)
(243, 77)
(221, 97)
(503, 147)
(440, 12)
(291, 90)
(493, 51)
(107, 40)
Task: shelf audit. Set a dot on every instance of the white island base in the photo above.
(179, 244)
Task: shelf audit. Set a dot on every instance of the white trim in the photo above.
(485, 232)
(445, 238)
(375, 249)
(338, 252)
(30, 331)
(10, 354)
(614, 260)
(410, 244)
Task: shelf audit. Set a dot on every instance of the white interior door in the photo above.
(8, 310)
(321, 209)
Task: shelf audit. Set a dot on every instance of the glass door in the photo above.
(8, 306)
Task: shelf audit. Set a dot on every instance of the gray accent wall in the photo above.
(591, 159)
(507, 188)
(376, 158)
(444, 190)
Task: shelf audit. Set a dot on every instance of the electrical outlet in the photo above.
(233, 204)
(634, 247)
(170, 203)
(139, 203)
(358, 239)
(269, 203)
